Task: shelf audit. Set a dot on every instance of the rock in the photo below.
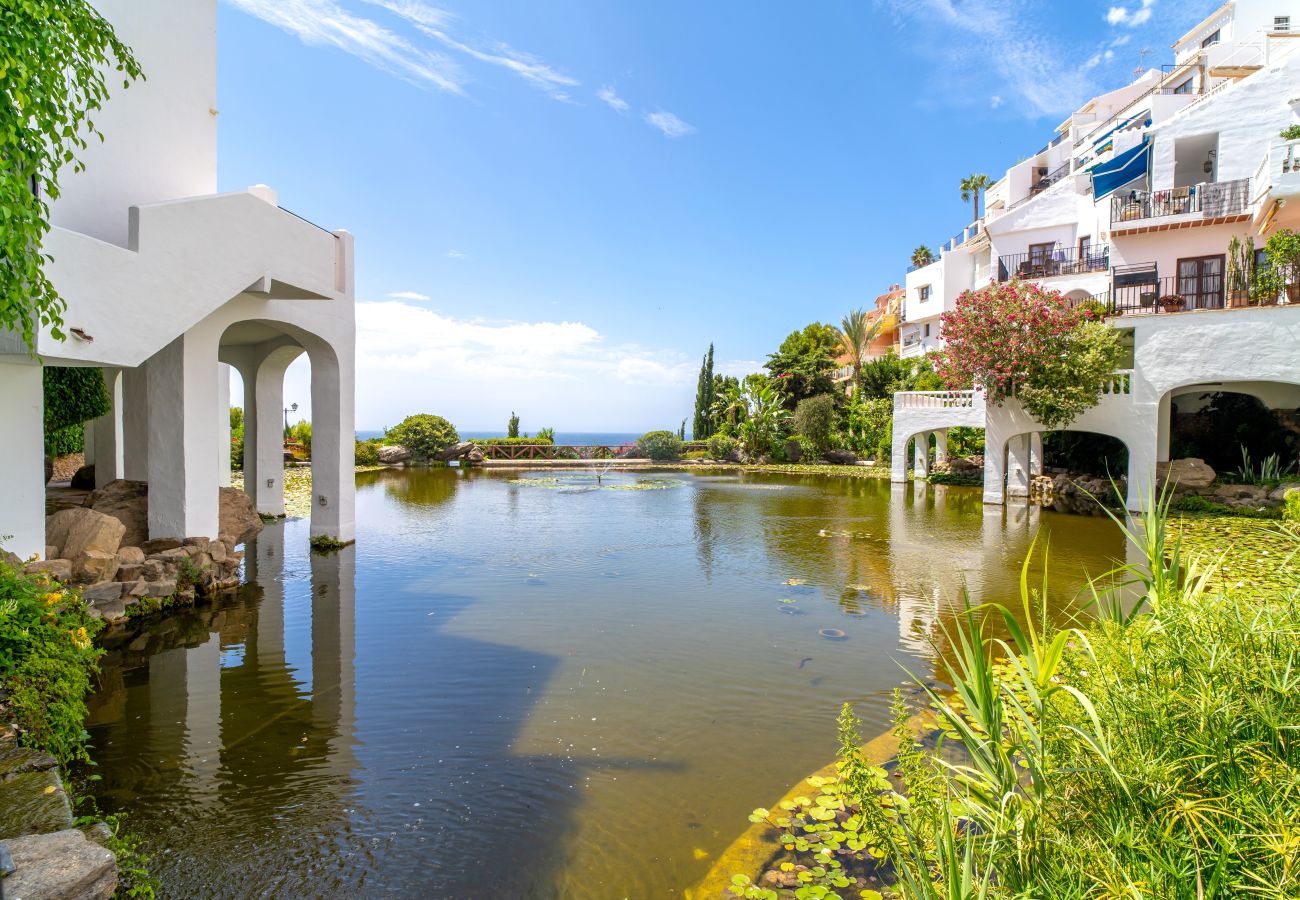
(17, 760)
(128, 502)
(1279, 493)
(475, 455)
(841, 457)
(58, 569)
(1186, 473)
(127, 556)
(65, 865)
(775, 878)
(109, 590)
(79, 529)
(92, 566)
(201, 543)
(164, 588)
(1042, 485)
(793, 451)
(32, 802)
(960, 465)
(51, 552)
(238, 516)
(13, 560)
(391, 456)
(217, 550)
(111, 610)
(1249, 492)
(151, 570)
(734, 456)
(159, 545)
(455, 451)
(84, 479)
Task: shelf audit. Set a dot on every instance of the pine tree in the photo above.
(707, 408)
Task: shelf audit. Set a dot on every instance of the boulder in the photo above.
(1279, 493)
(30, 802)
(455, 451)
(392, 456)
(239, 517)
(83, 479)
(959, 465)
(64, 865)
(102, 593)
(92, 566)
(77, 530)
(841, 457)
(128, 502)
(1249, 492)
(475, 455)
(793, 451)
(159, 545)
(1186, 473)
(58, 569)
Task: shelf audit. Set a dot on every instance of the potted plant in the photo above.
(1283, 250)
(1171, 303)
(1241, 265)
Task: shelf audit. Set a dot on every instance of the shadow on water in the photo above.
(229, 732)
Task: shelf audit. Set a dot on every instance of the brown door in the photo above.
(1200, 282)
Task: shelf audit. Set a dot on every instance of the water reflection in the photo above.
(542, 693)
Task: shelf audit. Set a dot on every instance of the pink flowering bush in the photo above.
(1017, 339)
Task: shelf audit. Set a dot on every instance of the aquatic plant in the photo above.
(583, 483)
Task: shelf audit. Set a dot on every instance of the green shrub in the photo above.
(721, 446)
(366, 454)
(1291, 505)
(1194, 503)
(301, 432)
(540, 440)
(695, 454)
(424, 435)
(47, 658)
(61, 442)
(814, 418)
(660, 445)
(73, 396)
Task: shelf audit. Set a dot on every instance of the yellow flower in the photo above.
(51, 599)
(80, 638)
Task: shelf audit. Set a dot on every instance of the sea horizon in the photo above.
(566, 438)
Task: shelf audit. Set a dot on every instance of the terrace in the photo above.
(1048, 261)
(1208, 203)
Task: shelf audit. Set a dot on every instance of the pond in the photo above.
(527, 685)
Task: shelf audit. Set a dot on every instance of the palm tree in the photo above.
(971, 186)
(856, 335)
(728, 404)
(922, 256)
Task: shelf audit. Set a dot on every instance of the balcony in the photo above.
(1278, 175)
(1145, 293)
(1053, 263)
(1210, 203)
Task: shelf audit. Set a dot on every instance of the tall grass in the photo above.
(1153, 753)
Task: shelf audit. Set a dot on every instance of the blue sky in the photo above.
(559, 205)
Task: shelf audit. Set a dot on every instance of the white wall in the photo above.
(161, 133)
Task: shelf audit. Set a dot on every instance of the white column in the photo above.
(898, 456)
(1165, 411)
(183, 494)
(1142, 454)
(995, 468)
(223, 425)
(266, 441)
(333, 436)
(106, 434)
(22, 459)
(941, 445)
(921, 455)
(1035, 454)
(1018, 466)
(135, 423)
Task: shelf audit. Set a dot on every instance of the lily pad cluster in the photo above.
(584, 483)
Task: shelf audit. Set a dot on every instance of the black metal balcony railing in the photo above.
(1211, 199)
(1056, 262)
(1173, 293)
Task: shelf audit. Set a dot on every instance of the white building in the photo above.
(1133, 202)
(167, 283)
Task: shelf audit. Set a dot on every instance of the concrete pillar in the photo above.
(105, 436)
(1142, 454)
(941, 446)
(22, 459)
(1164, 413)
(182, 391)
(898, 457)
(333, 438)
(995, 468)
(135, 423)
(1018, 466)
(265, 443)
(223, 425)
(1035, 454)
(921, 455)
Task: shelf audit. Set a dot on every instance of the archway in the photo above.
(1233, 425)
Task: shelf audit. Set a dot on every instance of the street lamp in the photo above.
(293, 407)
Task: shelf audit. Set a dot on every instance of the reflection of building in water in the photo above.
(229, 720)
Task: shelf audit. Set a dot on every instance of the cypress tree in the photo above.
(701, 409)
(706, 416)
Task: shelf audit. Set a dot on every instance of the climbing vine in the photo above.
(54, 56)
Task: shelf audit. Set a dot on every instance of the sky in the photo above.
(558, 206)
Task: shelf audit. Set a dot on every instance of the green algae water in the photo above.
(525, 685)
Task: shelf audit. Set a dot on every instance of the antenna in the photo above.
(1142, 58)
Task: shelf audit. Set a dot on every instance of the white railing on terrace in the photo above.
(934, 400)
(1120, 382)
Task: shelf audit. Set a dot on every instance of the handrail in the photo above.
(934, 400)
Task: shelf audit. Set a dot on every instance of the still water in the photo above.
(522, 686)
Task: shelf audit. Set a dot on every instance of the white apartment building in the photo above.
(167, 285)
(1134, 202)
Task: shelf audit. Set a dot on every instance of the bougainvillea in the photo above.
(1017, 339)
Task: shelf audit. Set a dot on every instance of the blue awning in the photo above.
(1120, 170)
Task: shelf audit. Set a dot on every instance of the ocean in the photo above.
(567, 438)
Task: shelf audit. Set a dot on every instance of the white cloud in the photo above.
(410, 295)
(996, 100)
(1121, 15)
(668, 123)
(616, 102)
(1121, 40)
(1098, 58)
(562, 371)
(456, 254)
(325, 23)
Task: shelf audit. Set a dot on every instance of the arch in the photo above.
(1266, 424)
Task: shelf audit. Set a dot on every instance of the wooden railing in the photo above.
(575, 452)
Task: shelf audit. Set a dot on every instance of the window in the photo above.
(1085, 248)
(924, 291)
(1200, 282)
(927, 329)
(1185, 88)
(1212, 39)
(1281, 23)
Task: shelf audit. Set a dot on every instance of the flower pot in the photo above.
(1171, 303)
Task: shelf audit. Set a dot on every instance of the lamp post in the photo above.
(293, 407)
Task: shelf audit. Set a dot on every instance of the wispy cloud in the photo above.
(668, 123)
(410, 295)
(1122, 15)
(456, 254)
(611, 97)
(434, 22)
(996, 101)
(1098, 58)
(325, 23)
